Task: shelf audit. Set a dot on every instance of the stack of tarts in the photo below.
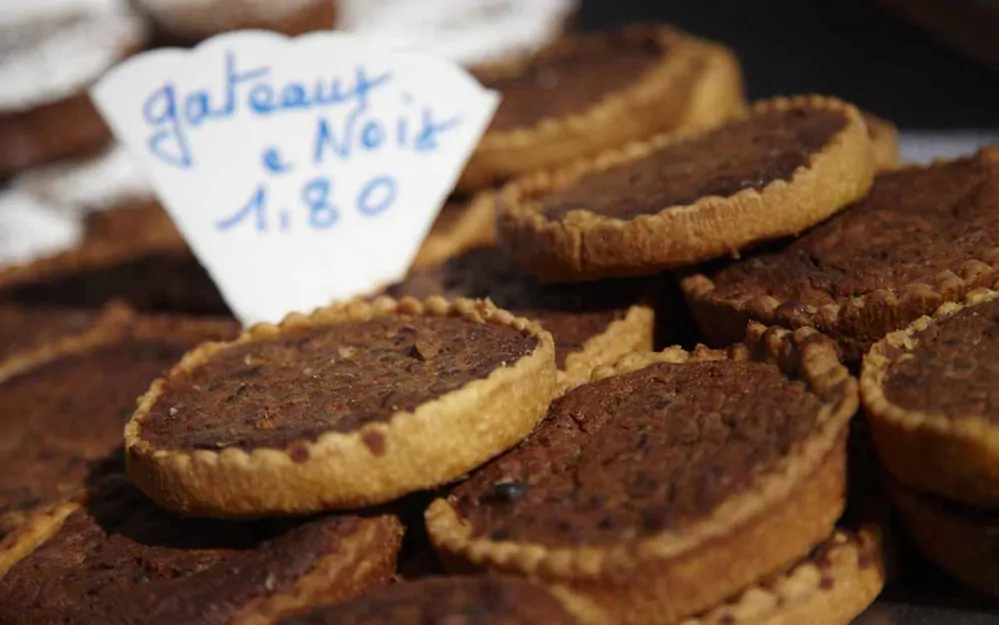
(506, 435)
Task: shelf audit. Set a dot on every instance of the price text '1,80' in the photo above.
(318, 207)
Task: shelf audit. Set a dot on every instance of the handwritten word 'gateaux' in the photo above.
(172, 115)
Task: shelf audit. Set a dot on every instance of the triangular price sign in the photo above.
(300, 171)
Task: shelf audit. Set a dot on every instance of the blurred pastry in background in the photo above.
(150, 274)
(884, 138)
(462, 224)
(50, 54)
(103, 178)
(588, 93)
(186, 22)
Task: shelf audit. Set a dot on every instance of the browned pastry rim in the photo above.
(622, 336)
(117, 321)
(111, 313)
(437, 442)
(884, 138)
(365, 559)
(872, 314)
(961, 540)
(955, 456)
(829, 589)
(705, 75)
(474, 227)
(777, 520)
(583, 245)
(97, 253)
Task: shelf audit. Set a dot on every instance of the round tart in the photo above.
(686, 197)
(114, 557)
(587, 93)
(884, 138)
(669, 482)
(356, 404)
(929, 392)
(66, 404)
(48, 62)
(439, 601)
(837, 581)
(134, 220)
(592, 324)
(186, 22)
(461, 225)
(24, 329)
(151, 273)
(924, 236)
(958, 538)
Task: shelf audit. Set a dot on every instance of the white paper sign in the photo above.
(300, 170)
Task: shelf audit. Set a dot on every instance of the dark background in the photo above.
(850, 48)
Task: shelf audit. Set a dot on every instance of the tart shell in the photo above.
(962, 544)
(436, 443)
(474, 227)
(116, 322)
(856, 322)
(48, 132)
(830, 590)
(955, 456)
(673, 575)
(622, 336)
(884, 138)
(710, 72)
(584, 245)
(366, 559)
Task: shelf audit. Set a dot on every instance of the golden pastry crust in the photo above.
(831, 589)
(954, 456)
(854, 322)
(364, 559)
(960, 540)
(774, 522)
(884, 138)
(633, 333)
(438, 442)
(719, 91)
(475, 226)
(584, 245)
(42, 525)
(695, 82)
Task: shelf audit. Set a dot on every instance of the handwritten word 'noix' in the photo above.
(172, 115)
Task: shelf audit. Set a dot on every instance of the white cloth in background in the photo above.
(82, 185)
(56, 48)
(29, 228)
(467, 31)
(923, 146)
